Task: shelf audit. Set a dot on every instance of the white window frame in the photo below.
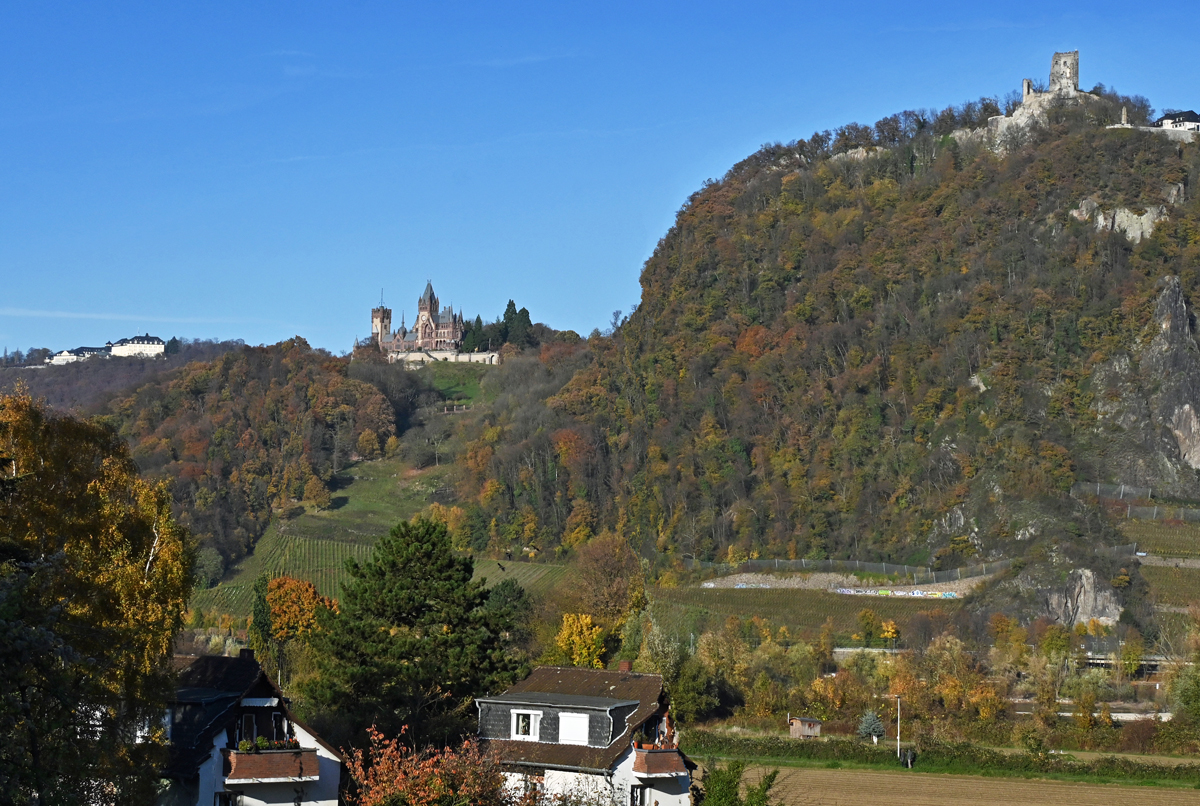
(535, 725)
(587, 722)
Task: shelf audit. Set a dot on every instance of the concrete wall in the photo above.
(421, 357)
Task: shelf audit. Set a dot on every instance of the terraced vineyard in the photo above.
(536, 578)
(1167, 538)
(370, 498)
(798, 609)
(1174, 587)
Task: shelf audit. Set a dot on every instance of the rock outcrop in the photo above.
(1134, 226)
(1084, 597)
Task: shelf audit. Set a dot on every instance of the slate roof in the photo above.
(207, 694)
(645, 689)
(1187, 116)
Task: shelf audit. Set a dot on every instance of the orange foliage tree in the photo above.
(389, 772)
(294, 606)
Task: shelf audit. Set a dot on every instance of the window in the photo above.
(573, 729)
(278, 726)
(526, 725)
(248, 727)
(637, 795)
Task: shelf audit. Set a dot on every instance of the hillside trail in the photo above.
(822, 580)
(904, 788)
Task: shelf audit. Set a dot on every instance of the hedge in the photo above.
(961, 757)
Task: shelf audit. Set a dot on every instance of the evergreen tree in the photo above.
(694, 693)
(414, 637)
(508, 322)
(259, 631)
(870, 725)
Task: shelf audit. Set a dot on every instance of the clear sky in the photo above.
(260, 170)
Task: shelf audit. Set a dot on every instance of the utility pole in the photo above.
(897, 726)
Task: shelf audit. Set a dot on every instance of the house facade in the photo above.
(590, 732)
(146, 346)
(234, 741)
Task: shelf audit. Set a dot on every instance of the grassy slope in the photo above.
(801, 611)
(460, 383)
(370, 499)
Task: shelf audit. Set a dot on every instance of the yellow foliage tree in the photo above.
(580, 642)
(96, 570)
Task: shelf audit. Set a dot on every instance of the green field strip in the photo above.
(798, 608)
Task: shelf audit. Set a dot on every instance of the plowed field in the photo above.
(855, 787)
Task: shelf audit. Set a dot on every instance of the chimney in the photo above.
(625, 666)
(246, 654)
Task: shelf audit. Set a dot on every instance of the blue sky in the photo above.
(254, 170)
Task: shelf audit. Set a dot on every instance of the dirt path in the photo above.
(902, 788)
(820, 580)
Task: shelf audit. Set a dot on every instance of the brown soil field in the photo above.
(856, 787)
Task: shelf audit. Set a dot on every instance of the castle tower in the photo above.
(381, 324)
(428, 301)
(1064, 73)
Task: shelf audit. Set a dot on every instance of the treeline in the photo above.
(84, 387)
(832, 355)
(903, 127)
(515, 328)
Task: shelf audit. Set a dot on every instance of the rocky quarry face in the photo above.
(1083, 598)
(1148, 403)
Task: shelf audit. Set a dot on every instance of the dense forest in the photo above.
(879, 354)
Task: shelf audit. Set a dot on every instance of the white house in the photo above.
(139, 346)
(1186, 121)
(566, 731)
(219, 704)
(78, 354)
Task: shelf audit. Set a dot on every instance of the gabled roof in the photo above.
(644, 690)
(207, 695)
(1187, 116)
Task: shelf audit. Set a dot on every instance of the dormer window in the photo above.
(526, 725)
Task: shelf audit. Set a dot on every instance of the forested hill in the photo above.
(894, 353)
(256, 430)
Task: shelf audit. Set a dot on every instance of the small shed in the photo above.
(804, 727)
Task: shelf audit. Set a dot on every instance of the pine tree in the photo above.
(413, 637)
(870, 725)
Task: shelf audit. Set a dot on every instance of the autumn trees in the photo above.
(831, 355)
(94, 577)
(255, 429)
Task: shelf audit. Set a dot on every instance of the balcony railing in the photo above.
(271, 766)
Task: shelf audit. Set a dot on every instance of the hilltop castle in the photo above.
(1063, 90)
(436, 335)
(433, 330)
